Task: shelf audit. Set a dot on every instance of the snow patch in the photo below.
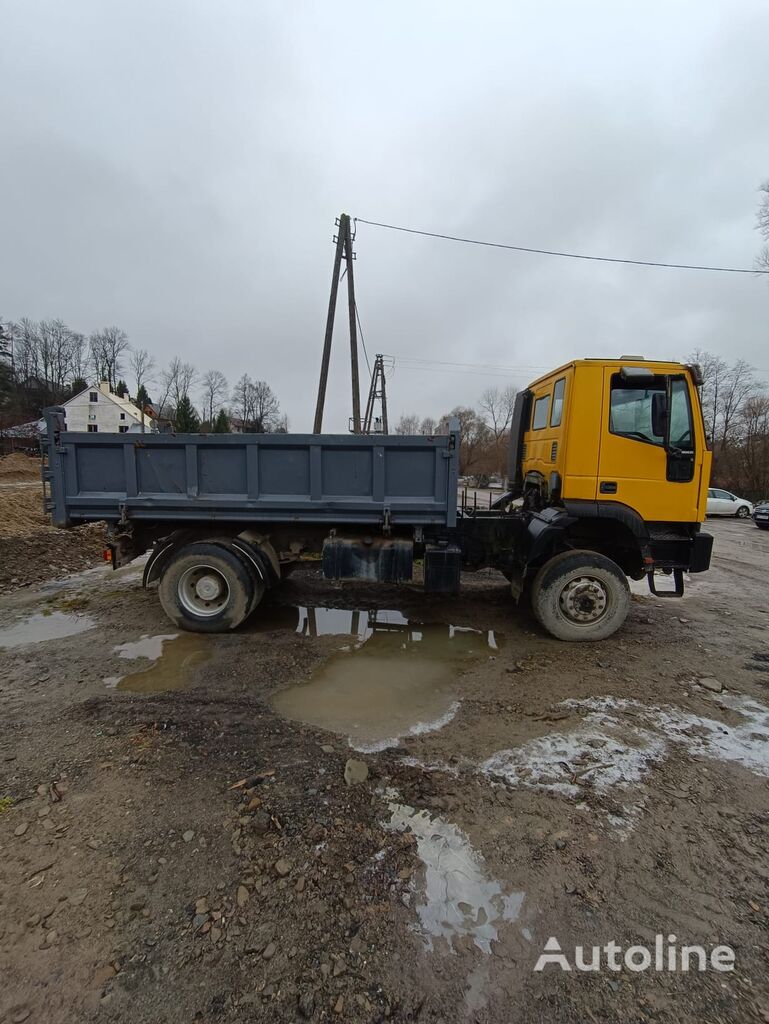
(619, 741)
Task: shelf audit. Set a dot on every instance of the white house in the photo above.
(98, 410)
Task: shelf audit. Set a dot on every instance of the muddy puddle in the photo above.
(392, 678)
(457, 897)
(171, 655)
(42, 626)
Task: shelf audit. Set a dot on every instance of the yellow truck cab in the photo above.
(610, 456)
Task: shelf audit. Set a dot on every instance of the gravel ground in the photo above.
(173, 849)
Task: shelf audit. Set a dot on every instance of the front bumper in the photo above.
(692, 554)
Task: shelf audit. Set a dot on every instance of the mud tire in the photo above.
(580, 595)
(193, 572)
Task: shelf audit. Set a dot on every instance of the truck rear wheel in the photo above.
(580, 595)
(206, 588)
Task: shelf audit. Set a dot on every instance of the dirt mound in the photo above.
(19, 467)
(31, 549)
(21, 511)
(48, 554)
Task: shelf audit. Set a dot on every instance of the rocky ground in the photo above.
(175, 848)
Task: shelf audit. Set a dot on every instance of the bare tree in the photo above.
(739, 386)
(754, 446)
(108, 347)
(407, 424)
(428, 426)
(143, 367)
(266, 407)
(714, 370)
(243, 400)
(475, 440)
(254, 402)
(214, 388)
(176, 381)
(497, 405)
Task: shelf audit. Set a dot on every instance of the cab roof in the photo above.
(662, 364)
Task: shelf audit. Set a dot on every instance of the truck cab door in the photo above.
(648, 457)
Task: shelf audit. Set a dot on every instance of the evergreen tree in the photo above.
(221, 423)
(122, 389)
(187, 420)
(142, 398)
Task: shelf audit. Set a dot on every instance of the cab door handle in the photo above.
(608, 487)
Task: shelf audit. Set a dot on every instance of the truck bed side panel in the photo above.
(252, 477)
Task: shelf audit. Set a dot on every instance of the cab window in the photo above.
(680, 432)
(630, 412)
(556, 413)
(539, 415)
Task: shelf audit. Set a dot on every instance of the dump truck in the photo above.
(607, 481)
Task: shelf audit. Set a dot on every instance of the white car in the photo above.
(724, 503)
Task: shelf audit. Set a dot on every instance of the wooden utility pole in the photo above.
(343, 249)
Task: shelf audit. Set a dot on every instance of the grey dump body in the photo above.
(251, 478)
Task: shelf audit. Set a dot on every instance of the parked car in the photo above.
(761, 515)
(724, 503)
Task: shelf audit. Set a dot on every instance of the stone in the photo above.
(269, 951)
(261, 822)
(282, 867)
(242, 896)
(102, 975)
(711, 683)
(21, 829)
(327, 748)
(188, 836)
(339, 1005)
(355, 772)
(306, 1003)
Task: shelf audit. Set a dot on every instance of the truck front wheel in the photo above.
(580, 595)
(206, 588)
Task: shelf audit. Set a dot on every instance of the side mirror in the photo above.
(660, 413)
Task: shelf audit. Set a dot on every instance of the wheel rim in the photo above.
(584, 600)
(203, 591)
(743, 513)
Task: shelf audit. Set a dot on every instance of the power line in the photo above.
(554, 252)
(360, 331)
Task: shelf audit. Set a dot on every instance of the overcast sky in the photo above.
(175, 168)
